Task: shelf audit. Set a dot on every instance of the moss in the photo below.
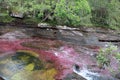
(13, 67)
(29, 52)
(5, 18)
(31, 20)
(28, 58)
(42, 45)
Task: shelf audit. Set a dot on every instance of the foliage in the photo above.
(118, 56)
(70, 13)
(103, 13)
(62, 11)
(104, 55)
(5, 18)
(114, 14)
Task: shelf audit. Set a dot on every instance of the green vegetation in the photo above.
(103, 13)
(71, 12)
(105, 54)
(5, 18)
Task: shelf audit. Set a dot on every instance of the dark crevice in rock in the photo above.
(1, 78)
(101, 40)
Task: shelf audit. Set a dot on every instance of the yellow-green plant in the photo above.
(104, 55)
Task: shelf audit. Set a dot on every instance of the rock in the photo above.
(77, 33)
(90, 30)
(14, 35)
(42, 45)
(47, 33)
(104, 78)
(77, 68)
(43, 25)
(1, 78)
(66, 27)
(16, 15)
(73, 76)
(91, 40)
(13, 67)
(117, 76)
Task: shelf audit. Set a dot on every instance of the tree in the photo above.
(105, 13)
(71, 12)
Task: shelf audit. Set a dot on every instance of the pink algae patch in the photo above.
(63, 58)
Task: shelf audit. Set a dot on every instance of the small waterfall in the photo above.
(85, 73)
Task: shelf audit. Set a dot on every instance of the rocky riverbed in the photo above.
(68, 53)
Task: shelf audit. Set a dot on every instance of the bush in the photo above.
(104, 55)
(105, 13)
(114, 14)
(99, 17)
(72, 12)
(5, 18)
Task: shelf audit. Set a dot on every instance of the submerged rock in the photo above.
(25, 65)
(43, 44)
(74, 76)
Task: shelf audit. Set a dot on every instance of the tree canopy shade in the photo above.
(67, 12)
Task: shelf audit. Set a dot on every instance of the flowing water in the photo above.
(86, 73)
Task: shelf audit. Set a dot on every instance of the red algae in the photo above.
(64, 57)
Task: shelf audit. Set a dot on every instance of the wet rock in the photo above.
(69, 31)
(65, 28)
(1, 78)
(0, 33)
(42, 45)
(103, 78)
(77, 33)
(117, 76)
(48, 33)
(74, 76)
(14, 35)
(91, 40)
(110, 38)
(25, 65)
(43, 25)
(90, 30)
(77, 68)
(16, 15)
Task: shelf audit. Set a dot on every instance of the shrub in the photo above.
(72, 12)
(104, 55)
(105, 13)
(5, 18)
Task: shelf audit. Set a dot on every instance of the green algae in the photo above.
(25, 65)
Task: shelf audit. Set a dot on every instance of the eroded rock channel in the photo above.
(60, 53)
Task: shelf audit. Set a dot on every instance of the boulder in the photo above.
(16, 14)
(74, 76)
(43, 25)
